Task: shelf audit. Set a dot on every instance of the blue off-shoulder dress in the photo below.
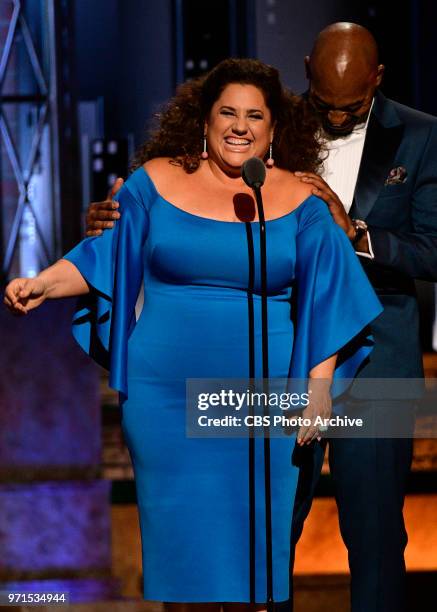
(193, 493)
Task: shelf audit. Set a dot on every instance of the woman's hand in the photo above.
(24, 294)
(320, 405)
(60, 280)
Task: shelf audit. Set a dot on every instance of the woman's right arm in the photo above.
(62, 279)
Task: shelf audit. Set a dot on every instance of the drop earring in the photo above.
(270, 162)
(204, 154)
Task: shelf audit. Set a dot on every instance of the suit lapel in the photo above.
(384, 134)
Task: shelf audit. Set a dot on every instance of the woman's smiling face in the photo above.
(239, 126)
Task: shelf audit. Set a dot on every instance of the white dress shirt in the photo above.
(340, 168)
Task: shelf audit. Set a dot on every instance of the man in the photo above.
(381, 188)
(380, 184)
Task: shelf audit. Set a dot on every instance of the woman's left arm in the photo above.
(335, 305)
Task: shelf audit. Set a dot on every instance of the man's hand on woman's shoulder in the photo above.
(102, 215)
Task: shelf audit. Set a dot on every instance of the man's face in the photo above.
(340, 108)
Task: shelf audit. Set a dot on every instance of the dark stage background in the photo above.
(130, 51)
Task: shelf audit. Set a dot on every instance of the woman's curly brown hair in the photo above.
(179, 132)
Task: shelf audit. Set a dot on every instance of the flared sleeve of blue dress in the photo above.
(335, 301)
(112, 265)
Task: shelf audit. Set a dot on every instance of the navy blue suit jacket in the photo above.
(402, 220)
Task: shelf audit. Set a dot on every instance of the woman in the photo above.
(187, 218)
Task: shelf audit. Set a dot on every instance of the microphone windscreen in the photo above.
(254, 172)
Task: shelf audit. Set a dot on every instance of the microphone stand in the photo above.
(265, 372)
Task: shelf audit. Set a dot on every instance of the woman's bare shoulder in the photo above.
(161, 169)
(288, 182)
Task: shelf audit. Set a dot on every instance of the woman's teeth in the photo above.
(237, 141)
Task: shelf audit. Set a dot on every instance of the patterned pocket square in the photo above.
(396, 176)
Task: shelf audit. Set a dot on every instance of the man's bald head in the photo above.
(344, 73)
(345, 52)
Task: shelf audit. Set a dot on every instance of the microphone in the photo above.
(254, 173)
